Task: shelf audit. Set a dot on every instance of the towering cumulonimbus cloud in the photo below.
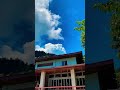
(46, 23)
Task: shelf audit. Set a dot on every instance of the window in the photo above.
(45, 64)
(78, 73)
(57, 75)
(59, 79)
(51, 76)
(64, 75)
(64, 63)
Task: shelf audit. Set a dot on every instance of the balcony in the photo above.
(61, 88)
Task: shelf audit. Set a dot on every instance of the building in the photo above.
(63, 72)
(100, 76)
(69, 72)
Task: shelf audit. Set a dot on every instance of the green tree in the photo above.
(81, 28)
(118, 77)
(113, 7)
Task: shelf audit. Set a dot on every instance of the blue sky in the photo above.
(55, 21)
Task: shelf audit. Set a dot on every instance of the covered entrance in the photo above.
(63, 78)
(59, 79)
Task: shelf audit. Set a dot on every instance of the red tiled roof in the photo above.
(59, 56)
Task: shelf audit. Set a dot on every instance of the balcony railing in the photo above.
(61, 88)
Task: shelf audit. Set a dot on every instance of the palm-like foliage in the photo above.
(113, 6)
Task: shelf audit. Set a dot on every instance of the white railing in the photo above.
(61, 88)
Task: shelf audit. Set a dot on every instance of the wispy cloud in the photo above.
(51, 48)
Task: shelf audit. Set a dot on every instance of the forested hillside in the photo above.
(42, 54)
(10, 66)
(14, 66)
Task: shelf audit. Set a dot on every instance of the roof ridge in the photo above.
(58, 56)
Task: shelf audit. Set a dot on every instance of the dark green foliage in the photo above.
(42, 54)
(113, 7)
(9, 66)
(118, 77)
(110, 6)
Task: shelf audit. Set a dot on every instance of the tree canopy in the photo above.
(11, 65)
(43, 54)
(113, 7)
(81, 28)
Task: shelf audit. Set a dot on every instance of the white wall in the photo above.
(56, 63)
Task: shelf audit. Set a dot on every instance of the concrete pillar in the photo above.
(73, 78)
(42, 80)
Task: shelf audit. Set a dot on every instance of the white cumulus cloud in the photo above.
(51, 48)
(46, 22)
(55, 34)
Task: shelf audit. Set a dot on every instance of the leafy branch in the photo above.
(81, 28)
